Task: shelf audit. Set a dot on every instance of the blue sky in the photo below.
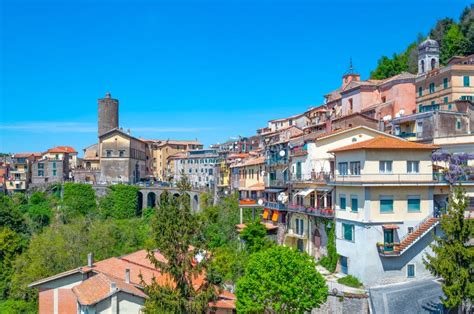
(186, 69)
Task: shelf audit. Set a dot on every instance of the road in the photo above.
(411, 297)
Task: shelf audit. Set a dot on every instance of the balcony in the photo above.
(277, 162)
(406, 135)
(320, 212)
(384, 179)
(275, 205)
(313, 177)
(445, 178)
(299, 151)
(292, 233)
(280, 183)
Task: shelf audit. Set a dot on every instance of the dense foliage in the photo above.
(177, 236)
(254, 237)
(453, 258)
(280, 280)
(350, 281)
(42, 235)
(121, 202)
(454, 39)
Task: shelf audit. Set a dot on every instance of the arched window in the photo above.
(422, 66)
(433, 63)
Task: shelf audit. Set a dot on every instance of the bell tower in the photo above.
(428, 56)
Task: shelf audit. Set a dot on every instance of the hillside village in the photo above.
(359, 183)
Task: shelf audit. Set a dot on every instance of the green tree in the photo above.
(439, 30)
(10, 215)
(176, 235)
(466, 24)
(280, 280)
(78, 200)
(11, 245)
(454, 43)
(453, 259)
(62, 247)
(121, 202)
(255, 237)
(228, 264)
(18, 307)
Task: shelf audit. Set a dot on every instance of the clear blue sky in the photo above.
(186, 69)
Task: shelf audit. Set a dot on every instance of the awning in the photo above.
(390, 227)
(266, 213)
(274, 190)
(324, 189)
(275, 215)
(305, 192)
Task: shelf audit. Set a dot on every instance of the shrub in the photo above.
(350, 281)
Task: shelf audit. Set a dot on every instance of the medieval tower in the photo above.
(108, 114)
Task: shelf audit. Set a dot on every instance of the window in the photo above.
(466, 81)
(108, 153)
(420, 91)
(40, 173)
(458, 124)
(54, 172)
(410, 230)
(445, 82)
(354, 203)
(446, 100)
(419, 128)
(433, 63)
(413, 166)
(385, 166)
(342, 201)
(348, 232)
(343, 168)
(411, 270)
(355, 168)
(121, 153)
(413, 203)
(54, 165)
(386, 204)
(40, 166)
(299, 226)
(422, 66)
(432, 88)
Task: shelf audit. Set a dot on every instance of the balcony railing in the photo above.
(275, 205)
(277, 161)
(322, 177)
(276, 183)
(299, 152)
(442, 177)
(406, 135)
(322, 212)
(385, 178)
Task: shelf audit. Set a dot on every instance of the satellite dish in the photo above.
(262, 173)
(280, 197)
(282, 153)
(260, 202)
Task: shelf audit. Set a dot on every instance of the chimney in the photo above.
(127, 275)
(90, 259)
(113, 286)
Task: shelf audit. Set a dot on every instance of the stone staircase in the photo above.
(423, 228)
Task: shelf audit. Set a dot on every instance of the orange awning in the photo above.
(266, 213)
(275, 216)
(390, 227)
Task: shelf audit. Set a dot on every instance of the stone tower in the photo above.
(428, 56)
(108, 114)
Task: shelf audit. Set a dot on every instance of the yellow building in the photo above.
(439, 87)
(248, 178)
(160, 150)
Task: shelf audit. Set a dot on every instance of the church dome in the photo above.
(428, 43)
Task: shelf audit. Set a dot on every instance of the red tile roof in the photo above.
(382, 142)
(98, 287)
(62, 149)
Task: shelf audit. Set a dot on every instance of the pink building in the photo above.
(378, 99)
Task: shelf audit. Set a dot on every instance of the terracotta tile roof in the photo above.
(250, 162)
(98, 287)
(382, 142)
(61, 149)
(23, 155)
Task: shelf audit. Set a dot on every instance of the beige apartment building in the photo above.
(439, 87)
(160, 150)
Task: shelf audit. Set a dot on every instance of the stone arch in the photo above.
(164, 197)
(195, 202)
(175, 195)
(139, 203)
(151, 200)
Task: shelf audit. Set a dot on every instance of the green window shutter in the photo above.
(347, 232)
(343, 202)
(466, 81)
(414, 205)
(354, 204)
(386, 206)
